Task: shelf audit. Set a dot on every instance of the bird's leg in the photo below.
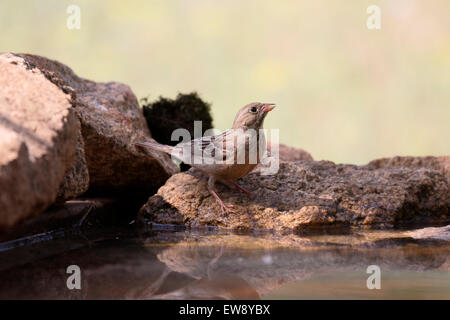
(233, 185)
(213, 262)
(223, 206)
(241, 189)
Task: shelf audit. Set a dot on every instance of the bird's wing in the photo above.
(209, 148)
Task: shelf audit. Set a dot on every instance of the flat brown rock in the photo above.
(38, 134)
(307, 194)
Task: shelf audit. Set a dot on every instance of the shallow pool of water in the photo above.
(137, 264)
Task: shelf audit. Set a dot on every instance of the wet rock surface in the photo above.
(38, 134)
(307, 194)
(441, 233)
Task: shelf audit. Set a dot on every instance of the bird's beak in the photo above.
(268, 107)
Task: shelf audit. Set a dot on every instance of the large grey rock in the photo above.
(307, 194)
(38, 134)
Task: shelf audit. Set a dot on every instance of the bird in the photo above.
(225, 157)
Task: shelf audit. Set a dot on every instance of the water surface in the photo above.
(146, 264)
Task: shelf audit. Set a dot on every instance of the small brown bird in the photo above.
(227, 156)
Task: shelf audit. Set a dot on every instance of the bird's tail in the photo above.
(147, 146)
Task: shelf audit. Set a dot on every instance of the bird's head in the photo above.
(252, 115)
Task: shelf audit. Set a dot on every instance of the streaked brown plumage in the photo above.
(235, 152)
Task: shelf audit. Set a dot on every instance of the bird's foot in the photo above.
(241, 189)
(224, 207)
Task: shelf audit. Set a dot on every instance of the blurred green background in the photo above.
(345, 93)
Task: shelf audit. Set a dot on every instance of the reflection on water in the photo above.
(120, 264)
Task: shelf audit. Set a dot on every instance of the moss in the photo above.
(165, 115)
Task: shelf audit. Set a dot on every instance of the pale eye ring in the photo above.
(253, 109)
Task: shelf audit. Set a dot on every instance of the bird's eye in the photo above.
(253, 109)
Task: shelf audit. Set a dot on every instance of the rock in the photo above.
(307, 194)
(111, 122)
(289, 153)
(76, 180)
(437, 163)
(441, 233)
(38, 134)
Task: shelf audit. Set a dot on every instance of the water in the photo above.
(146, 264)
